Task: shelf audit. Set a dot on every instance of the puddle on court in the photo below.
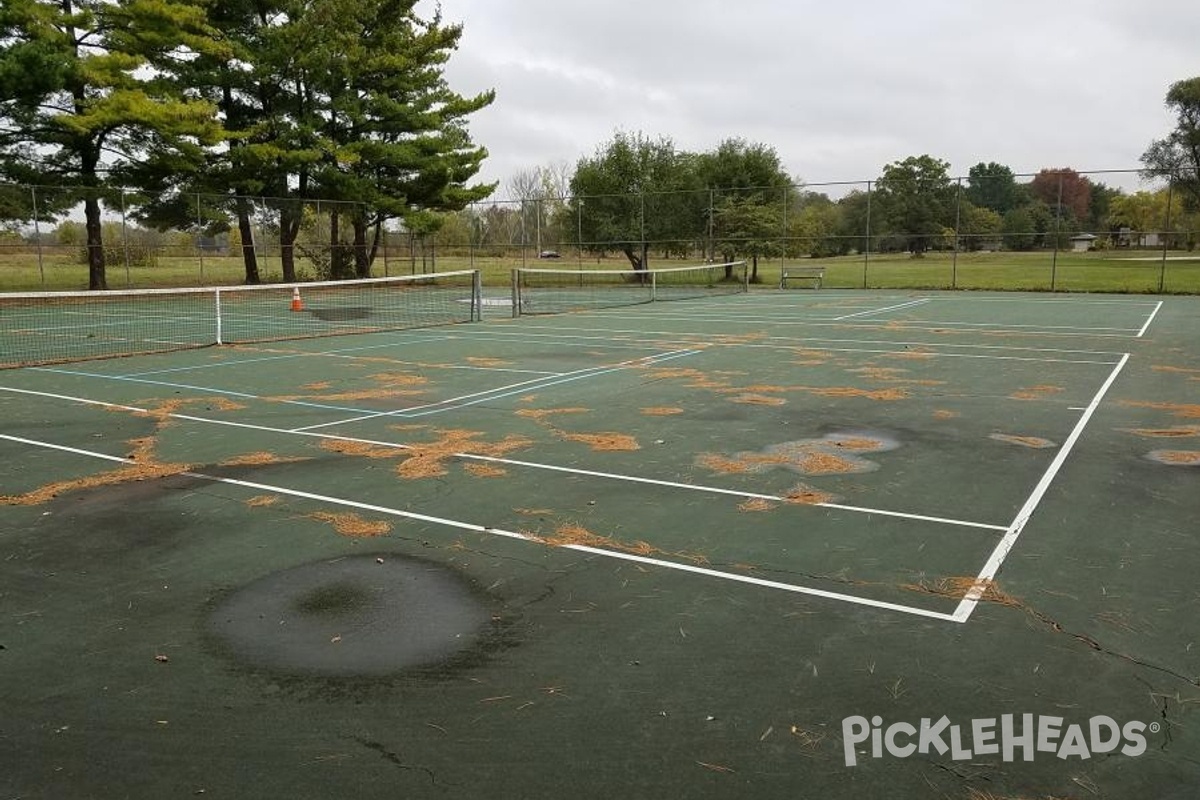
(356, 616)
(833, 453)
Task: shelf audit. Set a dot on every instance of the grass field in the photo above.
(1108, 271)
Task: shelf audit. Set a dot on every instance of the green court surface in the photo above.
(658, 551)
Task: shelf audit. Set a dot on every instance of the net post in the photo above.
(476, 296)
(217, 301)
(653, 286)
(745, 279)
(516, 293)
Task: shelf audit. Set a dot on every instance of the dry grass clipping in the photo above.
(851, 391)
(1182, 458)
(353, 525)
(262, 500)
(661, 411)
(146, 467)
(482, 361)
(1035, 442)
(603, 441)
(1035, 392)
(259, 459)
(362, 449)
(696, 379)
(807, 495)
(958, 587)
(485, 470)
(756, 504)
(1190, 411)
(1180, 370)
(540, 414)
(580, 536)
(757, 400)
(827, 456)
(1166, 433)
(428, 460)
(942, 413)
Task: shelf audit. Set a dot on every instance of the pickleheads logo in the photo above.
(1028, 735)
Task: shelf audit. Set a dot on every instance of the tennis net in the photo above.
(50, 327)
(554, 291)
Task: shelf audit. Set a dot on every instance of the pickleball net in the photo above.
(555, 291)
(52, 327)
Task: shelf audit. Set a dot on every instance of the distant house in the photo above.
(1082, 242)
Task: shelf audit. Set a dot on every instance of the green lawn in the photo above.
(1109, 271)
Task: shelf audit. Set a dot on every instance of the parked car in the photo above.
(549, 254)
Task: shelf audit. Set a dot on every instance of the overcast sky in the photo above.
(839, 87)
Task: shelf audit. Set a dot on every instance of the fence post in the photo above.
(1162, 271)
(1057, 233)
(125, 240)
(957, 223)
(199, 237)
(867, 248)
(579, 230)
(37, 235)
(712, 245)
(783, 244)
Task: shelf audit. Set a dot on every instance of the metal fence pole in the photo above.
(125, 240)
(867, 248)
(199, 237)
(1162, 271)
(1057, 231)
(37, 235)
(579, 230)
(957, 223)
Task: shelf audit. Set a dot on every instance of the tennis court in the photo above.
(662, 549)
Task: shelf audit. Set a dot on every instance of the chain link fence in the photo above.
(1054, 230)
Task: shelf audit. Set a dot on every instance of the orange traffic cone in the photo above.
(297, 303)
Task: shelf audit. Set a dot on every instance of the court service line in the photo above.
(897, 307)
(969, 602)
(1150, 319)
(907, 325)
(694, 487)
(707, 337)
(488, 530)
(500, 392)
(516, 338)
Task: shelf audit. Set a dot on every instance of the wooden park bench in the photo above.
(813, 274)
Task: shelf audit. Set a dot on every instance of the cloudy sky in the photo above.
(838, 88)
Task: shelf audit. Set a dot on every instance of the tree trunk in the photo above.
(289, 227)
(246, 229)
(363, 255)
(376, 239)
(95, 244)
(637, 262)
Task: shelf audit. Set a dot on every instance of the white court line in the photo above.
(1150, 319)
(697, 339)
(694, 487)
(870, 324)
(474, 398)
(967, 605)
(909, 304)
(486, 529)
